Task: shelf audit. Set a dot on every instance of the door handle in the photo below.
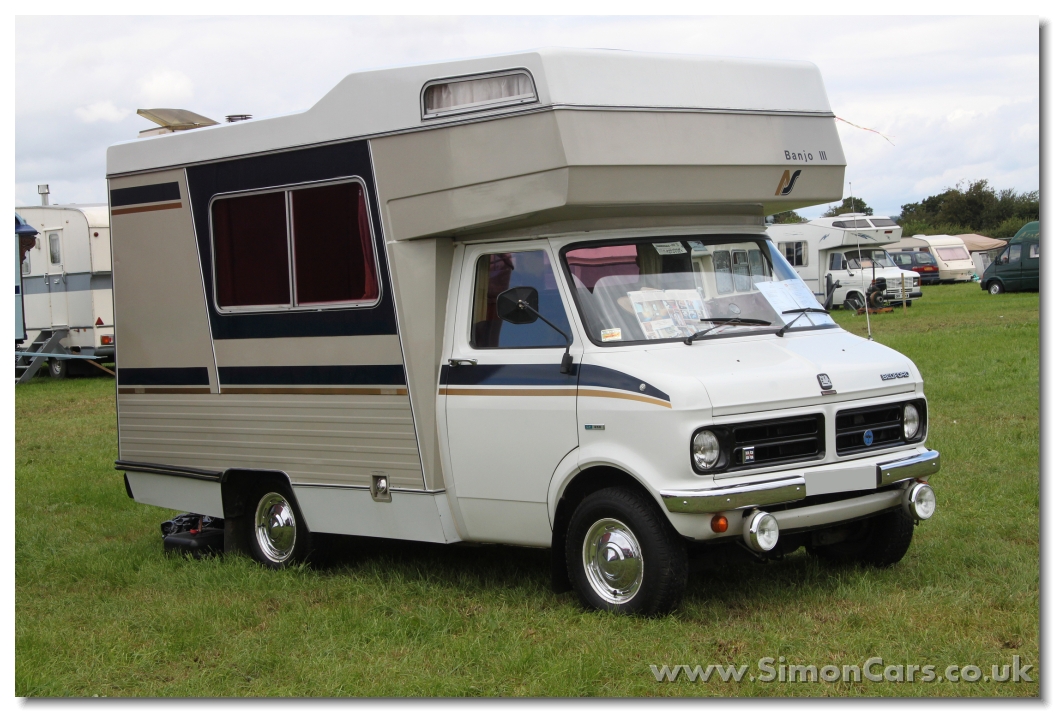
(455, 362)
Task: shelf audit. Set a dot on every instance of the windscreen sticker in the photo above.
(611, 334)
(669, 248)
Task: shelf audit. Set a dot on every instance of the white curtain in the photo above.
(443, 97)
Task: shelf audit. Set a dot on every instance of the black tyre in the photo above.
(277, 533)
(879, 541)
(909, 302)
(853, 303)
(58, 367)
(624, 556)
(995, 287)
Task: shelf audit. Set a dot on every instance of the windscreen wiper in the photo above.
(799, 312)
(724, 321)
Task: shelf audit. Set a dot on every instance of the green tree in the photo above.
(849, 205)
(787, 216)
(976, 208)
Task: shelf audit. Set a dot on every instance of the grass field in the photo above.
(101, 611)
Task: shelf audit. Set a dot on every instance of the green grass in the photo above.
(101, 611)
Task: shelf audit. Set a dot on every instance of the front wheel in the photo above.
(624, 556)
(995, 287)
(278, 535)
(853, 303)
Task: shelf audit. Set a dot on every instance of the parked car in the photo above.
(921, 262)
(1016, 269)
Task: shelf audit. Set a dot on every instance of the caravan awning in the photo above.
(980, 243)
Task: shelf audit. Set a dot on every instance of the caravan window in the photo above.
(949, 254)
(723, 271)
(883, 222)
(301, 247)
(26, 268)
(797, 253)
(55, 248)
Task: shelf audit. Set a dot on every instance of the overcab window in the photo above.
(303, 247)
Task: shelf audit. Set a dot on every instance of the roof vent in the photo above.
(238, 117)
(480, 92)
(169, 120)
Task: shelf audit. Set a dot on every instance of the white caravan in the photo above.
(950, 253)
(67, 283)
(525, 299)
(846, 256)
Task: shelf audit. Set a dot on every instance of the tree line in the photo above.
(977, 208)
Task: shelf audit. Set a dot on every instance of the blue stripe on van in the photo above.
(383, 375)
(155, 193)
(600, 377)
(198, 376)
(548, 374)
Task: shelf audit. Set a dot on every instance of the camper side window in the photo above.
(295, 248)
(1033, 250)
(26, 267)
(795, 252)
(497, 272)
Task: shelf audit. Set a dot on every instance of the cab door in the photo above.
(1030, 265)
(511, 414)
(1010, 267)
(55, 278)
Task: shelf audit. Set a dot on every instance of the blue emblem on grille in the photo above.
(869, 438)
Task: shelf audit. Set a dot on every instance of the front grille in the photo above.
(777, 441)
(883, 422)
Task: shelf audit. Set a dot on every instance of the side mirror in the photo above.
(509, 308)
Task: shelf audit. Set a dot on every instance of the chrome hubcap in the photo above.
(275, 527)
(613, 561)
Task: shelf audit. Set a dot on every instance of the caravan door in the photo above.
(55, 278)
(511, 414)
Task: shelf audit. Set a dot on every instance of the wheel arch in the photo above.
(235, 483)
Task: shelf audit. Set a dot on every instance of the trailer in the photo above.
(523, 299)
(844, 260)
(67, 290)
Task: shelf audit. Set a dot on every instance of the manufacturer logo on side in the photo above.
(787, 182)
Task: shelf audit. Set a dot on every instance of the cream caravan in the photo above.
(67, 285)
(525, 299)
(845, 257)
(949, 251)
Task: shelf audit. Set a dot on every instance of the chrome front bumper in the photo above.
(783, 489)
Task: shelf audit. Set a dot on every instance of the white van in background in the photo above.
(850, 250)
(950, 252)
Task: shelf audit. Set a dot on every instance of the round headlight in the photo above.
(762, 532)
(911, 421)
(706, 450)
(920, 501)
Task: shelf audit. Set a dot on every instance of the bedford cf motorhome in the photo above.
(524, 299)
(845, 257)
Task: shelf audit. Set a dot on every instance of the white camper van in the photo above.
(950, 253)
(524, 299)
(846, 257)
(67, 283)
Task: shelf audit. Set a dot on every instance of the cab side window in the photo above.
(836, 261)
(1015, 253)
(498, 272)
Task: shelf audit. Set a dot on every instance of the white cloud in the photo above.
(166, 88)
(100, 111)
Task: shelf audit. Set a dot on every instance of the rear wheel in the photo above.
(995, 287)
(277, 533)
(624, 556)
(879, 541)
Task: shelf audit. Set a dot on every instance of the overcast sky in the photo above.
(959, 97)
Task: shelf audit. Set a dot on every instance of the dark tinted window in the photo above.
(850, 223)
(837, 261)
(252, 255)
(334, 255)
(883, 222)
(498, 272)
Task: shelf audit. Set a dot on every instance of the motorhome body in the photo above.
(334, 347)
(851, 249)
(67, 280)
